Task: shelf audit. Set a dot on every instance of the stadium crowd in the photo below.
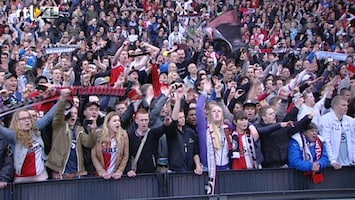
(284, 99)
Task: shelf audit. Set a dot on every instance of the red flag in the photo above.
(229, 17)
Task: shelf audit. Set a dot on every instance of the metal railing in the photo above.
(246, 184)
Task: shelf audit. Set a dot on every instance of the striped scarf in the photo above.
(214, 143)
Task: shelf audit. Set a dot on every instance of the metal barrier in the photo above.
(6, 193)
(250, 184)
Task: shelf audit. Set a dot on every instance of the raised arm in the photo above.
(218, 89)
(48, 117)
(155, 113)
(118, 52)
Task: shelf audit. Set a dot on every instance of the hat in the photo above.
(250, 102)
(164, 68)
(91, 104)
(9, 75)
(118, 27)
(101, 81)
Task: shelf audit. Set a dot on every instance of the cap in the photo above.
(164, 68)
(91, 104)
(9, 75)
(101, 81)
(250, 102)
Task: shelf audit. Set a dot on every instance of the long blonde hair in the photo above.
(24, 137)
(215, 127)
(104, 133)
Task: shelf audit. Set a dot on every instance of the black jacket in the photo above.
(275, 141)
(6, 162)
(147, 159)
(183, 146)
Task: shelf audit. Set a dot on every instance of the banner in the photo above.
(61, 49)
(50, 97)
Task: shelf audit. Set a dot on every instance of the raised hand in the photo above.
(65, 93)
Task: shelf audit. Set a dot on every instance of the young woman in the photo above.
(25, 137)
(218, 143)
(218, 138)
(111, 152)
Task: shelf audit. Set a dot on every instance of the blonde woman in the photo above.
(25, 137)
(111, 152)
(216, 141)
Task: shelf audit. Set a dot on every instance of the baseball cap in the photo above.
(91, 104)
(250, 102)
(100, 81)
(9, 75)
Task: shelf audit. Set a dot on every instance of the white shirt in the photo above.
(330, 128)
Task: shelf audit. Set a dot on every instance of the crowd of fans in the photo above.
(285, 99)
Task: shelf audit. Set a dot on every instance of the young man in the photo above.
(250, 108)
(66, 158)
(275, 137)
(183, 142)
(338, 131)
(91, 120)
(143, 161)
(244, 154)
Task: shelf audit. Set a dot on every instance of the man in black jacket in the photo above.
(146, 160)
(6, 164)
(183, 142)
(275, 137)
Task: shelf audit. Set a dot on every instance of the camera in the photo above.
(177, 85)
(88, 121)
(41, 87)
